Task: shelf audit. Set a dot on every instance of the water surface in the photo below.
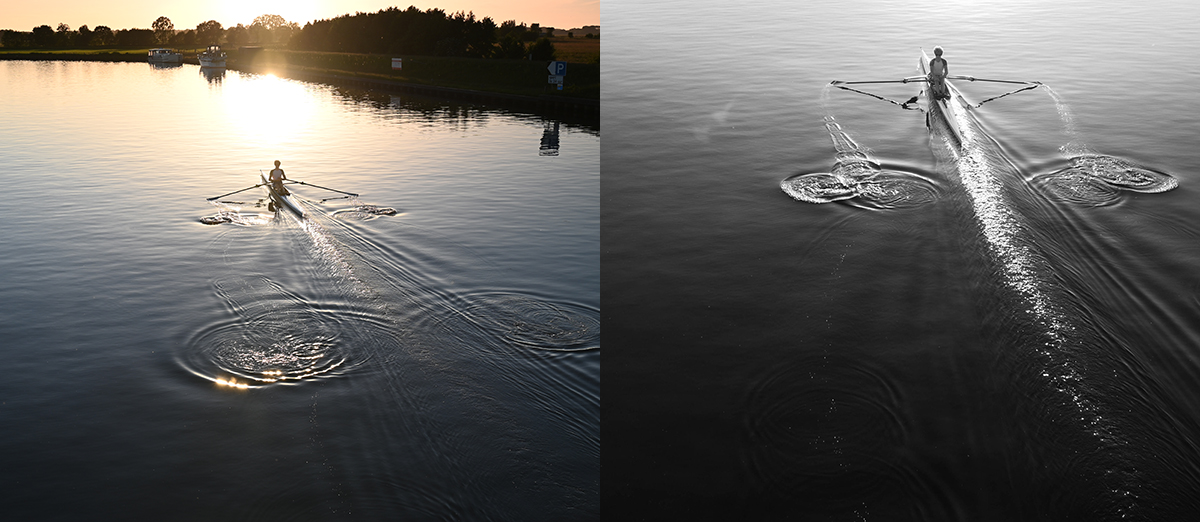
(438, 363)
(1013, 339)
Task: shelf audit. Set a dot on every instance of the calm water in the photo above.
(991, 332)
(442, 363)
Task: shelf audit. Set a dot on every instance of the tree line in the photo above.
(265, 29)
(432, 32)
(411, 31)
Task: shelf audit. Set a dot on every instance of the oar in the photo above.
(878, 97)
(325, 188)
(906, 80)
(974, 79)
(235, 192)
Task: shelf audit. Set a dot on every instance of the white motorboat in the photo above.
(164, 55)
(212, 57)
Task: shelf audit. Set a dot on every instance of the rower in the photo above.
(277, 177)
(938, 69)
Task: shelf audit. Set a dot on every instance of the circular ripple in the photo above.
(234, 355)
(364, 213)
(1074, 186)
(891, 190)
(819, 188)
(1124, 174)
(819, 422)
(531, 323)
(277, 337)
(879, 189)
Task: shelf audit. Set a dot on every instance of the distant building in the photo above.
(578, 32)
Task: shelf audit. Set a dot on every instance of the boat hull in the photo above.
(283, 200)
(212, 57)
(946, 109)
(164, 56)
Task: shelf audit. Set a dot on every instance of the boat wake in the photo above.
(1060, 372)
(513, 321)
(275, 335)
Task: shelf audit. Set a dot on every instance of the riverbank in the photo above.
(520, 84)
(517, 83)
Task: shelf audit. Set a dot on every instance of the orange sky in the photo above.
(187, 14)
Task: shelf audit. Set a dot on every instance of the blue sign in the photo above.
(558, 68)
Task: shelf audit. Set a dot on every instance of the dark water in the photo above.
(1002, 329)
(441, 363)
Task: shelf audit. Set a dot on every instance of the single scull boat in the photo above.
(945, 108)
(950, 110)
(282, 200)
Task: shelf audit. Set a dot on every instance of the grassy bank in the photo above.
(505, 76)
(521, 77)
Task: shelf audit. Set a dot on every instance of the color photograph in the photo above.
(328, 260)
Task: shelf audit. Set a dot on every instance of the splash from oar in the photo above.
(1093, 178)
(858, 176)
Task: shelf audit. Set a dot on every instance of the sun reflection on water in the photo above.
(267, 110)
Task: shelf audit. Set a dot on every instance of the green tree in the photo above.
(43, 37)
(270, 21)
(272, 28)
(511, 48)
(209, 33)
(102, 35)
(163, 29)
(542, 49)
(83, 37)
(184, 39)
(237, 35)
(64, 36)
(15, 39)
(511, 28)
(135, 38)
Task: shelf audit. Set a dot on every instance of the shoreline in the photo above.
(546, 104)
(579, 107)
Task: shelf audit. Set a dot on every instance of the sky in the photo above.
(24, 15)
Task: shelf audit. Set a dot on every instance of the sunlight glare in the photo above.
(232, 384)
(266, 110)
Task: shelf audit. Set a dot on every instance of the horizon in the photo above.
(141, 14)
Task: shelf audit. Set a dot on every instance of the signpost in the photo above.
(557, 71)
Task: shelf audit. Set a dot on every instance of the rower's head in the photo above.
(276, 163)
(937, 51)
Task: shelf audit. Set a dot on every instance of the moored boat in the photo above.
(164, 55)
(284, 199)
(212, 57)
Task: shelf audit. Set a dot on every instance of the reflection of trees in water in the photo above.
(416, 108)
